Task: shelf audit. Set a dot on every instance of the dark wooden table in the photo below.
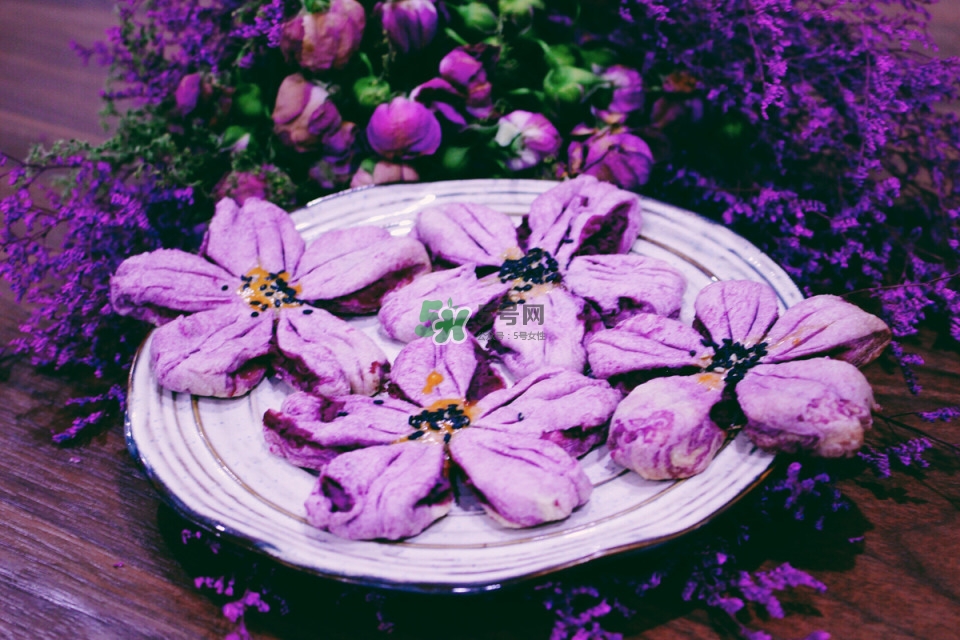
(87, 550)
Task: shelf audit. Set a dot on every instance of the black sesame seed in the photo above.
(446, 437)
(269, 294)
(254, 314)
(224, 287)
(415, 435)
(692, 352)
(263, 287)
(307, 312)
(375, 401)
(519, 416)
(341, 414)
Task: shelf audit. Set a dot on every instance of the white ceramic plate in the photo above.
(209, 459)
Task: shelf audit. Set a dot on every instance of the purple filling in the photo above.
(368, 299)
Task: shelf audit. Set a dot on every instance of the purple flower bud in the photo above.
(530, 137)
(403, 128)
(325, 40)
(409, 24)
(627, 93)
(303, 116)
(466, 72)
(188, 92)
(333, 170)
(613, 156)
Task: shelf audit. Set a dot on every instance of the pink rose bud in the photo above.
(617, 157)
(188, 92)
(403, 128)
(409, 24)
(627, 86)
(303, 116)
(325, 40)
(530, 138)
(389, 172)
(465, 72)
(362, 178)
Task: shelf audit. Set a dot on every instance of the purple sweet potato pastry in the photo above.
(467, 233)
(584, 216)
(561, 273)
(382, 460)
(646, 342)
(381, 492)
(792, 383)
(663, 429)
(826, 409)
(611, 282)
(255, 299)
(401, 308)
(827, 325)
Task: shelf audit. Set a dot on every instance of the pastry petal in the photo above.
(221, 352)
(322, 354)
(625, 285)
(827, 325)
(563, 329)
(738, 310)
(389, 492)
(564, 407)
(663, 429)
(427, 372)
(645, 342)
(468, 233)
(522, 480)
(402, 308)
(351, 269)
(310, 431)
(819, 405)
(258, 234)
(584, 216)
(155, 286)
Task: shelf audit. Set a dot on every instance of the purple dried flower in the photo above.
(188, 92)
(325, 39)
(409, 24)
(615, 156)
(946, 414)
(335, 167)
(530, 138)
(627, 98)
(403, 128)
(303, 116)
(907, 454)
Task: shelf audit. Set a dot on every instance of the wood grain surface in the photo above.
(87, 549)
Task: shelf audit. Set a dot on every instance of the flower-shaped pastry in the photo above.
(257, 296)
(385, 464)
(554, 271)
(792, 382)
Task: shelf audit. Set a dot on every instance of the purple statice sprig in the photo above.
(907, 455)
(811, 498)
(945, 414)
